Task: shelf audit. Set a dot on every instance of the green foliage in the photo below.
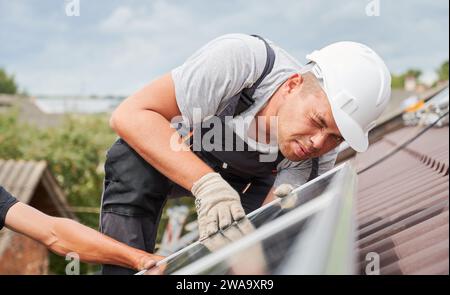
(7, 83)
(75, 153)
(398, 81)
(9, 137)
(413, 73)
(443, 71)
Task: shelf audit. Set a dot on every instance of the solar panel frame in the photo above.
(208, 259)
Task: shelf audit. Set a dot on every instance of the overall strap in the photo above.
(246, 95)
(244, 99)
(314, 169)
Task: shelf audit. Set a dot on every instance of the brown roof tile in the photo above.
(402, 206)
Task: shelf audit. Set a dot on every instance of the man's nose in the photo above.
(318, 140)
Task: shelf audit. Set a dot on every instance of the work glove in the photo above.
(217, 204)
(283, 190)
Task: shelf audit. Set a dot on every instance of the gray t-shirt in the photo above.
(221, 69)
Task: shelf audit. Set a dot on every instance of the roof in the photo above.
(391, 120)
(22, 179)
(395, 103)
(396, 106)
(402, 209)
(29, 112)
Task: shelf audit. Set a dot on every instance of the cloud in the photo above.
(158, 17)
(121, 18)
(115, 47)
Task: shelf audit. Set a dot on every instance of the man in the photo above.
(63, 236)
(337, 96)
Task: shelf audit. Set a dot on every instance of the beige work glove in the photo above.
(283, 190)
(217, 204)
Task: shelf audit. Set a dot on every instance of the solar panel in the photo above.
(263, 242)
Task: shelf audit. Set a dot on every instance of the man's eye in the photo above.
(317, 124)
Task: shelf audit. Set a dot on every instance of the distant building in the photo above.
(29, 112)
(410, 83)
(77, 104)
(31, 183)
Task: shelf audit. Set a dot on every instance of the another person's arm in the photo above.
(269, 197)
(63, 236)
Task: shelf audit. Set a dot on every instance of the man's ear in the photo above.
(293, 82)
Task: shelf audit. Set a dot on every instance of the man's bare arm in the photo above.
(269, 198)
(143, 121)
(63, 236)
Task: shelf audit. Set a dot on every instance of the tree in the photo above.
(398, 81)
(74, 151)
(7, 83)
(413, 73)
(443, 71)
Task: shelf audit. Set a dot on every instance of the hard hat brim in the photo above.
(352, 133)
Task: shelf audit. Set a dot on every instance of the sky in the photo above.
(112, 47)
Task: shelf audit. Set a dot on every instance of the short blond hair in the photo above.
(311, 84)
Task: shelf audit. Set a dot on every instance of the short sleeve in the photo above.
(216, 72)
(6, 202)
(297, 173)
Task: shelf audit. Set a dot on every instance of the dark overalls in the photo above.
(135, 192)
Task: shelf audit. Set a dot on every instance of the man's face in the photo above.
(306, 127)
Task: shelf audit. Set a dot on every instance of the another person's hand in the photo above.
(217, 204)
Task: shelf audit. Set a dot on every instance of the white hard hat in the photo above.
(358, 86)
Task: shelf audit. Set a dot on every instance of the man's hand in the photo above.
(283, 190)
(217, 203)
